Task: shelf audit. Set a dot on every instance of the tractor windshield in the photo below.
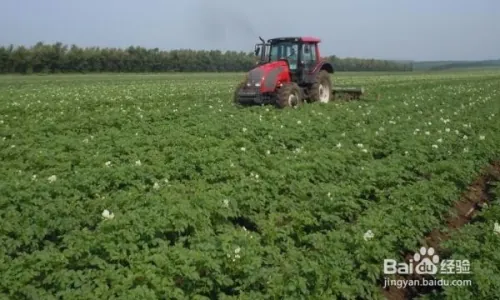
(285, 50)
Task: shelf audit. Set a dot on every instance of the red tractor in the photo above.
(290, 71)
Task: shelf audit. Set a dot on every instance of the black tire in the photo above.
(289, 95)
(322, 82)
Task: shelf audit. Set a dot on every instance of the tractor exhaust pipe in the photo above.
(262, 40)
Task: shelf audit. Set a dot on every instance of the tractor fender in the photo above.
(323, 65)
(309, 78)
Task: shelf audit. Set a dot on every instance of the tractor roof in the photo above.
(304, 39)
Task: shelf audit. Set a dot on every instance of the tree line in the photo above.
(59, 58)
(467, 64)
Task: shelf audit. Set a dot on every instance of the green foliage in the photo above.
(213, 201)
(477, 242)
(56, 58)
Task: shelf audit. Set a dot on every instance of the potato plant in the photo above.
(158, 187)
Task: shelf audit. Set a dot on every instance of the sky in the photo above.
(382, 29)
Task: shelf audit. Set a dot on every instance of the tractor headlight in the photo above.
(257, 84)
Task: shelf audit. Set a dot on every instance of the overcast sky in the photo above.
(390, 29)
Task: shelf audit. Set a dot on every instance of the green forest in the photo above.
(60, 58)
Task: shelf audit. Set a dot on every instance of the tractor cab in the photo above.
(301, 54)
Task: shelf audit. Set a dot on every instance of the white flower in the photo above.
(244, 129)
(106, 214)
(268, 152)
(33, 177)
(481, 137)
(360, 145)
(435, 146)
(364, 150)
(465, 137)
(243, 149)
(108, 163)
(368, 235)
(138, 163)
(339, 145)
(225, 203)
(299, 122)
(52, 178)
(86, 141)
(156, 186)
(447, 130)
(466, 150)
(427, 133)
(496, 228)
(237, 250)
(440, 140)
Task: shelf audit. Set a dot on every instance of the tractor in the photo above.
(290, 72)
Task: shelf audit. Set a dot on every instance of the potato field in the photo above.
(158, 187)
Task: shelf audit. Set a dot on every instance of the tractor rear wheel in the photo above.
(289, 95)
(321, 89)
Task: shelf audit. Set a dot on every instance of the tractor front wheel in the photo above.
(321, 89)
(289, 95)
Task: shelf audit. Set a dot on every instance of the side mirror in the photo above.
(257, 51)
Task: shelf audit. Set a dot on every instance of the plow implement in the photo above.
(347, 93)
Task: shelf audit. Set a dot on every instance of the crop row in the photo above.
(209, 199)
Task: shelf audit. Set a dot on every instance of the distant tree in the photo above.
(45, 58)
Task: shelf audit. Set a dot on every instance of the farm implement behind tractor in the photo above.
(289, 72)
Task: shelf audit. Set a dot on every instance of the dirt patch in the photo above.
(462, 212)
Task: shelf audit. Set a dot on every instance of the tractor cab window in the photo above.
(309, 55)
(285, 50)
